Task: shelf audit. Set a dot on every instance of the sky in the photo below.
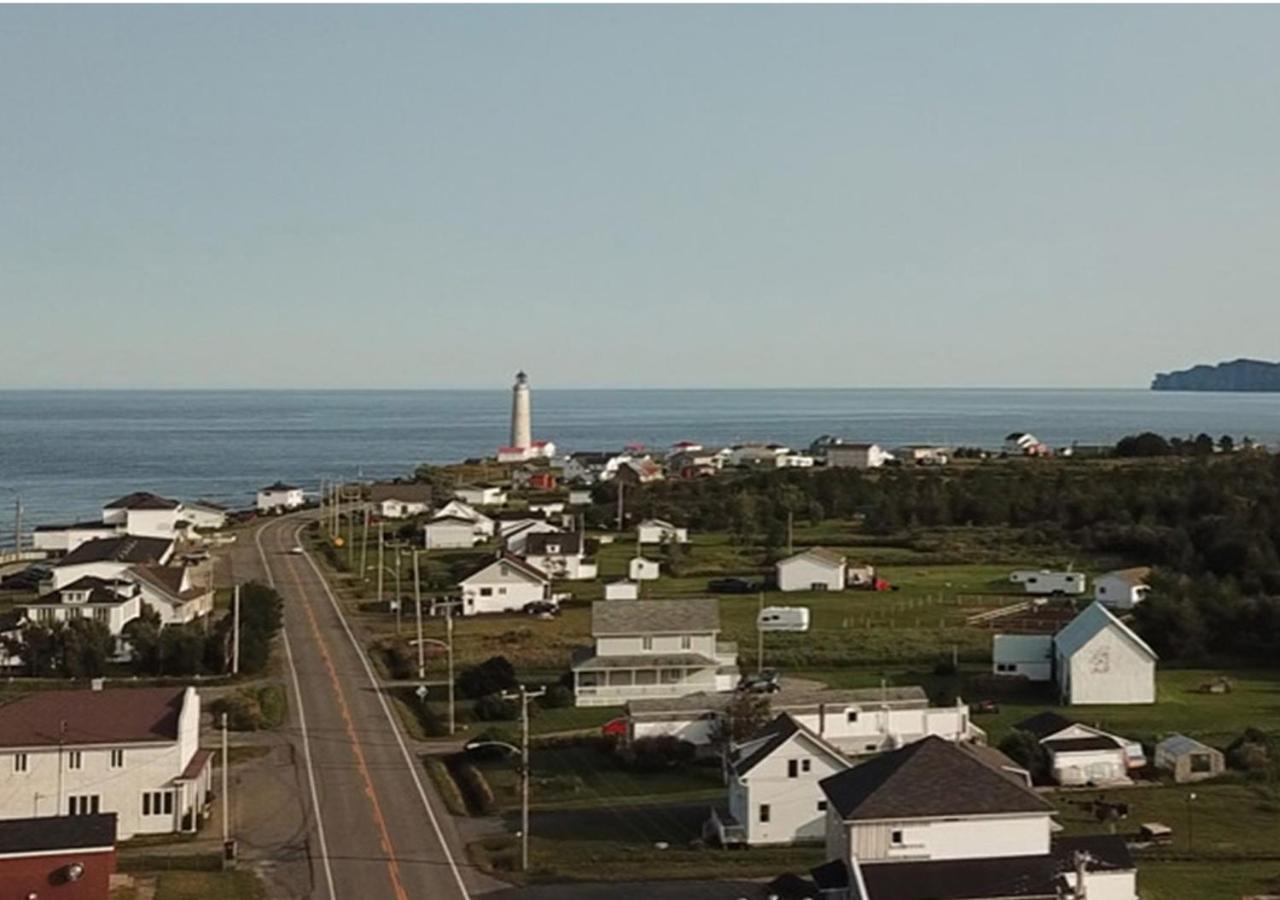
(418, 197)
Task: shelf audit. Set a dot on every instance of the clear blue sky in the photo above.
(737, 197)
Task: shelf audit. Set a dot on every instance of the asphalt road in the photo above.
(375, 828)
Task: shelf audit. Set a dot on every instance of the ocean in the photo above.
(64, 453)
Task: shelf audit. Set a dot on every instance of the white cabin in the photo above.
(1123, 589)
(815, 569)
(641, 569)
(280, 497)
(507, 584)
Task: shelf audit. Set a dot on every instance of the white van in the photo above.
(783, 618)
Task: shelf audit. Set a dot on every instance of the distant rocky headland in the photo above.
(1238, 375)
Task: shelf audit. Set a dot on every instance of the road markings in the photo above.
(391, 721)
(302, 723)
(384, 834)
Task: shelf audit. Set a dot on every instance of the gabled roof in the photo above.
(1045, 724)
(568, 542)
(109, 716)
(695, 614)
(1092, 742)
(95, 525)
(656, 523)
(1095, 619)
(101, 591)
(777, 733)
(931, 777)
(1134, 577)
(516, 564)
(46, 833)
(142, 500)
(820, 555)
(446, 519)
(406, 492)
(127, 548)
(278, 487)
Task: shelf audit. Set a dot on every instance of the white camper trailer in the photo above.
(1044, 581)
(783, 618)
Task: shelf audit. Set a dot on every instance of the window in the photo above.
(764, 812)
(686, 642)
(1006, 667)
(117, 759)
(502, 591)
(793, 768)
(74, 759)
(646, 643)
(157, 803)
(19, 762)
(82, 805)
(486, 592)
(1200, 762)
(822, 806)
(102, 615)
(806, 765)
(895, 838)
(851, 716)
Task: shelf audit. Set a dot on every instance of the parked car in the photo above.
(766, 682)
(732, 586)
(542, 608)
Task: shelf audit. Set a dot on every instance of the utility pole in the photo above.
(448, 630)
(524, 696)
(1081, 861)
(226, 821)
(791, 533)
(235, 631)
(621, 502)
(364, 548)
(380, 566)
(417, 614)
(17, 524)
(760, 637)
(351, 536)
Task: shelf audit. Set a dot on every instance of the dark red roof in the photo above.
(110, 716)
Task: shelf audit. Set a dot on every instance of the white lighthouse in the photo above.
(523, 447)
(521, 418)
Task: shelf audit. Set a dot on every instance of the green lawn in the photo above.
(239, 884)
(1203, 880)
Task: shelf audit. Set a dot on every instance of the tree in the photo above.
(745, 715)
(1025, 749)
(1226, 444)
(86, 648)
(143, 635)
(493, 676)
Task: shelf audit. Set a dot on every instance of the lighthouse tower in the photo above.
(521, 418)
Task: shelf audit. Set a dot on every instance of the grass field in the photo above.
(235, 885)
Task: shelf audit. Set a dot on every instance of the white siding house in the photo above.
(514, 534)
(641, 569)
(110, 558)
(143, 514)
(1029, 656)
(815, 569)
(203, 515)
(171, 592)
(660, 531)
(1081, 755)
(507, 584)
(400, 501)
(132, 751)
(279, 497)
(485, 527)
(1122, 589)
(653, 648)
(773, 795)
(113, 603)
(481, 495)
(59, 539)
(856, 456)
(560, 555)
(450, 532)
(1099, 659)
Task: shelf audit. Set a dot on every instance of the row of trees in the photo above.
(85, 648)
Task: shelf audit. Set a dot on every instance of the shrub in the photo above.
(474, 786)
(492, 676)
(654, 754)
(1252, 751)
(1025, 749)
(557, 697)
(492, 708)
(253, 708)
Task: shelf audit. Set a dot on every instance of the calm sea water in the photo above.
(65, 453)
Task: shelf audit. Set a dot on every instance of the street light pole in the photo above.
(1191, 822)
(760, 637)
(226, 820)
(524, 695)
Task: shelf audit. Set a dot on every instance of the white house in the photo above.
(1099, 659)
(59, 539)
(143, 514)
(481, 495)
(944, 821)
(400, 501)
(660, 531)
(1122, 589)
(485, 527)
(171, 592)
(114, 603)
(856, 456)
(1022, 443)
(534, 450)
(110, 558)
(765, 456)
(134, 752)
(507, 584)
(1080, 755)
(1028, 656)
(450, 532)
(857, 722)
(622, 590)
(774, 796)
(922, 455)
(815, 569)
(641, 569)
(203, 515)
(560, 555)
(514, 534)
(592, 467)
(653, 648)
(279, 497)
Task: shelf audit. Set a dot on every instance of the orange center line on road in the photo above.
(393, 867)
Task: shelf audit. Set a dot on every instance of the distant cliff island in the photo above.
(1238, 375)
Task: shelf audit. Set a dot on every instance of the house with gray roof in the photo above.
(654, 649)
(773, 795)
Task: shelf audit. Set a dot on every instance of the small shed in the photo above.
(622, 590)
(1188, 759)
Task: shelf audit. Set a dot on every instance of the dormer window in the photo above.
(75, 596)
(646, 643)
